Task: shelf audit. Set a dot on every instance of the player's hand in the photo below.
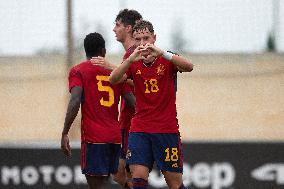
(155, 51)
(65, 146)
(149, 58)
(101, 61)
(137, 54)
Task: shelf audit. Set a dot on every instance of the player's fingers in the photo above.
(65, 150)
(100, 63)
(64, 146)
(143, 58)
(100, 58)
(94, 61)
(140, 47)
(68, 153)
(142, 50)
(94, 58)
(97, 62)
(97, 59)
(148, 45)
(152, 48)
(140, 57)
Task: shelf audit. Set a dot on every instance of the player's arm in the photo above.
(72, 111)
(181, 62)
(118, 74)
(101, 61)
(130, 99)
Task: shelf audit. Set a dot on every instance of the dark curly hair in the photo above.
(142, 25)
(128, 17)
(94, 45)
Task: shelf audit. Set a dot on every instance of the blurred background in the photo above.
(230, 108)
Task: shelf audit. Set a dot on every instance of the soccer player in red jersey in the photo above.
(100, 134)
(123, 29)
(154, 133)
(124, 23)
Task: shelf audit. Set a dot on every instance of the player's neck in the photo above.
(129, 42)
(149, 62)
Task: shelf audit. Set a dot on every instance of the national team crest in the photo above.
(161, 69)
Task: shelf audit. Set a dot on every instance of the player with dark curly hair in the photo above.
(123, 29)
(100, 133)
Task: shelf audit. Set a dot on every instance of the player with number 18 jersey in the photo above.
(155, 96)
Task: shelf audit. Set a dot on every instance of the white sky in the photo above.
(208, 25)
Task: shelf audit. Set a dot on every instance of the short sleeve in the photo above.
(75, 79)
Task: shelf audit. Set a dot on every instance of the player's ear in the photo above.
(128, 28)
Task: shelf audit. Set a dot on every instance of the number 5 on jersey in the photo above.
(108, 89)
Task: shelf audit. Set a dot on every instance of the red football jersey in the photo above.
(155, 97)
(99, 105)
(126, 112)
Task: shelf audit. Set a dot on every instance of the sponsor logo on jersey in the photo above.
(175, 165)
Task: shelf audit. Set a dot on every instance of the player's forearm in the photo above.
(72, 111)
(181, 62)
(118, 74)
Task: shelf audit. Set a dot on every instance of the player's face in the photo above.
(120, 31)
(142, 37)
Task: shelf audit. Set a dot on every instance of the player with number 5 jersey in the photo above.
(99, 99)
(100, 132)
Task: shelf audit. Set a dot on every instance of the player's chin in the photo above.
(118, 39)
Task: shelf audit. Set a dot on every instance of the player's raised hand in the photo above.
(137, 54)
(65, 146)
(155, 51)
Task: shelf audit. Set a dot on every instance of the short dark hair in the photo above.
(94, 45)
(142, 25)
(128, 17)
